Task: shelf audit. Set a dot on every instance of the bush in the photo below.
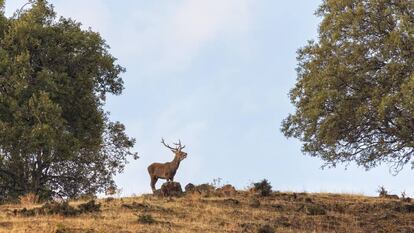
(189, 188)
(315, 210)
(266, 229)
(25, 212)
(382, 191)
(63, 209)
(89, 207)
(109, 199)
(146, 219)
(86, 197)
(404, 197)
(136, 206)
(53, 208)
(263, 188)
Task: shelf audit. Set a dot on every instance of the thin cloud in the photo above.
(171, 38)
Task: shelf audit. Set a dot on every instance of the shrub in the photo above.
(63, 209)
(25, 212)
(266, 229)
(231, 201)
(315, 210)
(263, 188)
(53, 208)
(86, 197)
(136, 206)
(146, 219)
(404, 197)
(189, 188)
(89, 207)
(216, 182)
(109, 199)
(382, 191)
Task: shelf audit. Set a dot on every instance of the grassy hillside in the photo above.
(242, 212)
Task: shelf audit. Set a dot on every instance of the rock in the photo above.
(226, 190)
(171, 189)
(205, 189)
(190, 188)
(157, 192)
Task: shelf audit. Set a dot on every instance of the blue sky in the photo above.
(215, 74)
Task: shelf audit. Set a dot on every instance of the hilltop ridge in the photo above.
(241, 212)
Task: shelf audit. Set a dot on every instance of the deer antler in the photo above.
(179, 146)
(166, 145)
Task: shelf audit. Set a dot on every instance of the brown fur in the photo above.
(166, 170)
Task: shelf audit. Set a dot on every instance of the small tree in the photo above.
(55, 137)
(355, 88)
(382, 191)
(263, 188)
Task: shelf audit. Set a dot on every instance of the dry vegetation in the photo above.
(241, 212)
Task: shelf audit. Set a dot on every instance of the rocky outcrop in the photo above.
(190, 188)
(227, 191)
(170, 189)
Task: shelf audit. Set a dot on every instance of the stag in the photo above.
(167, 170)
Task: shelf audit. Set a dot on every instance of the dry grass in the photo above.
(284, 212)
(29, 199)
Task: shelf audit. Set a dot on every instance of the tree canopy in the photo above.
(354, 96)
(55, 137)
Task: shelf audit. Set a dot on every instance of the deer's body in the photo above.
(166, 170)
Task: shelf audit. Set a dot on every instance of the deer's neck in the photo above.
(176, 162)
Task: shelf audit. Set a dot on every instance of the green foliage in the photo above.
(55, 137)
(266, 229)
(314, 210)
(355, 89)
(63, 209)
(90, 206)
(146, 219)
(263, 187)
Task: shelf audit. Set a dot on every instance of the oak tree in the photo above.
(55, 137)
(354, 96)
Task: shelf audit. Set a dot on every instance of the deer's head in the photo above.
(177, 150)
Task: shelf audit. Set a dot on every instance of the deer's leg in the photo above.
(153, 182)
